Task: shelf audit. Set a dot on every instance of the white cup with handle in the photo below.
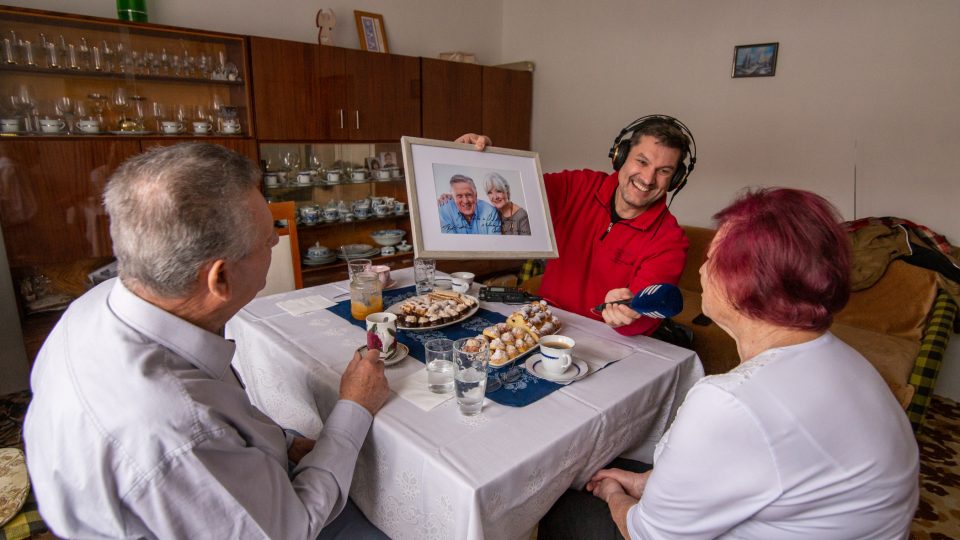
(556, 353)
(52, 125)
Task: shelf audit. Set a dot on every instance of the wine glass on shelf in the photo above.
(159, 114)
(291, 161)
(27, 107)
(66, 107)
(120, 102)
(316, 163)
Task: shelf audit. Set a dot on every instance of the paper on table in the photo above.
(413, 388)
(307, 304)
(598, 353)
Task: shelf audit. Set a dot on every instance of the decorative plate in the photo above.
(14, 483)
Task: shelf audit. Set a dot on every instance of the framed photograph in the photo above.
(372, 33)
(372, 163)
(466, 204)
(388, 159)
(758, 60)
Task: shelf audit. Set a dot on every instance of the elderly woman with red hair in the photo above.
(803, 439)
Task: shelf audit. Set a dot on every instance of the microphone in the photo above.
(657, 301)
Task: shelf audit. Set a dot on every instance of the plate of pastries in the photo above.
(434, 310)
(520, 334)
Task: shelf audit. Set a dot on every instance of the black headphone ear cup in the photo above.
(620, 153)
(679, 177)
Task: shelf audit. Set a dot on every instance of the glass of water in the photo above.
(439, 365)
(471, 358)
(424, 271)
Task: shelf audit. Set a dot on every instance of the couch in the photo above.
(901, 325)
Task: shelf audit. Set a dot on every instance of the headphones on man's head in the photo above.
(621, 147)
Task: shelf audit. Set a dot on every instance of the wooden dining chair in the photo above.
(284, 274)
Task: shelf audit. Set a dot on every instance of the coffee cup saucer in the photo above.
(399, 354)
(577, 370)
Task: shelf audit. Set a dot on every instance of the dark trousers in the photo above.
(351, 524)
(578, 515)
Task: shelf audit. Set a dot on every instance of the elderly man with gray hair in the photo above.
(464, 213)
(138, 427)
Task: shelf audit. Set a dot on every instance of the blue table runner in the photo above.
(525, 390)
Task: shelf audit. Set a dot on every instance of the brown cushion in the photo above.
(716, 349)
(898, 304)
(700, 239)
(892, 356)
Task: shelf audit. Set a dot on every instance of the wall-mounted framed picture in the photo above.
(757, 60)
(466, 204)
(371, 31)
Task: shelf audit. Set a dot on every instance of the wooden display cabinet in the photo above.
(51, 182)
(452, 99)
(507, 106)
(318, 93)
(53, 64)
(319, 193)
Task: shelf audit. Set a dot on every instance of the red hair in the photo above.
(783, 258)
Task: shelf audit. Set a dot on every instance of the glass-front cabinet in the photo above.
(78, 96)
(350, 197)
(78, 76)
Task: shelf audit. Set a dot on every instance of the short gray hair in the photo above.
(461, 179)
(174, 208)
(496, 181)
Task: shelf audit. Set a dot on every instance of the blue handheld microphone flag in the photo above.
(658, 301)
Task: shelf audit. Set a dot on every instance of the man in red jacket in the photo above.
(614, 232)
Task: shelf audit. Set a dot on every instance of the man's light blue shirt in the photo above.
(486, 219)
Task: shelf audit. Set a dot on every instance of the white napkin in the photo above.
(413, 388)
(306, 304)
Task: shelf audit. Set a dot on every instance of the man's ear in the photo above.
(217, 281)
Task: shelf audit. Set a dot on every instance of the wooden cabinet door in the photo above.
(332, 86)
(383, 96)
(507, 107)
(286, 85)
(51, 198)
(452, 99)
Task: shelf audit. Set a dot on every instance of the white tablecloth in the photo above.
(437, 474)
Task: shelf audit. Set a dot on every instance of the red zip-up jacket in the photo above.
(597, 256)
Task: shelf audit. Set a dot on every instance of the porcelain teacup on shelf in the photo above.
(333, 176)
(382, 210)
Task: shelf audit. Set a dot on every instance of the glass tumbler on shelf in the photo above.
(366, 296)
(471, 359)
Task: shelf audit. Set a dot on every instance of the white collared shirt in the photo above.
(804, 441)
(138, 428)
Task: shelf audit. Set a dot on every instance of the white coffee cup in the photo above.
(304, 177)
(231, 126)
(382, 328)
(459, 285)
(201, 128)
(52, 125)
(383, 272)
(271, 179)
(89, 126)
(465, 276)
(359, 174)
(399, 208)
(383, 174)
(171, 127)
(333, 176)
(556, 353)
(10, 124)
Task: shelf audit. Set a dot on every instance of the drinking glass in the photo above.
(357, 266)
(471, 359)
(439, 360)
(65, 107)
(424, 270)
(159, 114)
(120, 103)
(316, 163)
(291, 161)
(366, 295)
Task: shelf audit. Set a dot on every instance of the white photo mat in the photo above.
(429, 164)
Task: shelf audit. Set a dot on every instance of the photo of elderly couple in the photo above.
(476, 200)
